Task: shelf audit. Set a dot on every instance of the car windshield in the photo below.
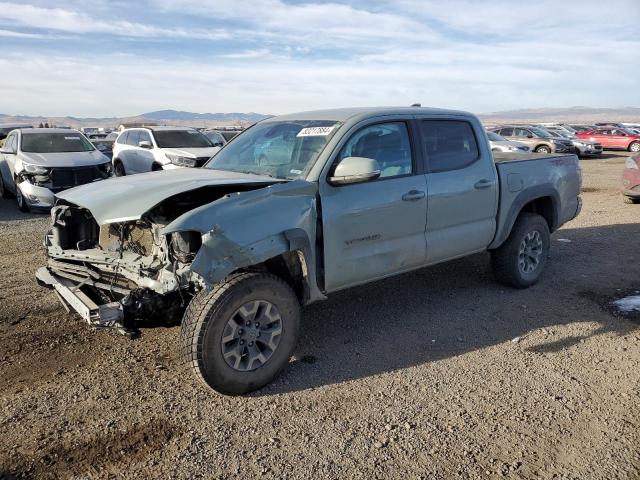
(181, 139)
(560, 133)
(55, 143)
(494, 137)
(280, 149)
(540, 132)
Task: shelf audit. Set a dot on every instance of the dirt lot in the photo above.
(439, 373)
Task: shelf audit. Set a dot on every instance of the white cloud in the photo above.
(82, 23)
(480, 56)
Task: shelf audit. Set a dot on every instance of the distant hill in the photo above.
(177, 117)
(222, 117)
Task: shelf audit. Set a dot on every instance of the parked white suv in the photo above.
(138, 150)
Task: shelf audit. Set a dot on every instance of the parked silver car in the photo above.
(37, 163)
(584, 146)
(501, 144)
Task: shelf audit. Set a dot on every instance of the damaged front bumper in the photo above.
(109, 315)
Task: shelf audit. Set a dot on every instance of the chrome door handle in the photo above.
(413, 195)
(484, 183)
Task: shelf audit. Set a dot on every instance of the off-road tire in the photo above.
(627, 199)
(118, 169)
(207, 315)
(634, 147)
(505, 259)
(542, 149)
(22, 203)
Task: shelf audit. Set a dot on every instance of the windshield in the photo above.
(181, 139)
(55, 143)
(540, 132)
(494, 137)
(560, 133)
(279, 149)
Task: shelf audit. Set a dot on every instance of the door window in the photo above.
(133, 137)
(12, 143)
(507, 132)
(387, 143)
(521, 132)
(144, 137)
(122, 139)
(449, 144)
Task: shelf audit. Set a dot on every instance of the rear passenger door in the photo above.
(129, 154)
(462, 189)
(144, 156)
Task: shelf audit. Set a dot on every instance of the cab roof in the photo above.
(344, 114)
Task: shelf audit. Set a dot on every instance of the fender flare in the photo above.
(524, 197)
(219, 256)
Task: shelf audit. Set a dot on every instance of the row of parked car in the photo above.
(37, 163)
(584, 140)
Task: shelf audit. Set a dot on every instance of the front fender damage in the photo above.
(247, 229)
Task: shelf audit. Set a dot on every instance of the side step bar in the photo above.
(109, 315)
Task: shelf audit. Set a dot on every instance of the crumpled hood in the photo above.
(64, 159)
(192, 152)
(128, 198)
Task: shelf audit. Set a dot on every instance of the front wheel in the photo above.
(241, 334)
(634, 147)
(23, 205)
(520, 260)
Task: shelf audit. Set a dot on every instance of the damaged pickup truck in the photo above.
(294, 208)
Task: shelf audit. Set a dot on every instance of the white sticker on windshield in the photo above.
(315, 131)
(72, 138)
(295, 172)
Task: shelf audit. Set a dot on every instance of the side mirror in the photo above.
(529, 136)
(218, 144)
(145, 144)
(355, 170)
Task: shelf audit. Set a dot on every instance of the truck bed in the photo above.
(533, 175)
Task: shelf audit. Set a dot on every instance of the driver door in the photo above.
(375, 229)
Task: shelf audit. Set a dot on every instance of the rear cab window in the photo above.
(449, 144)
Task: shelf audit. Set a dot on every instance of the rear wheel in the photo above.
(634, 147)
(241, 334)
(520, 260)
(118, 169)
(542, 149)
(23, 205)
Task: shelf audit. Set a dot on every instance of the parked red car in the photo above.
(613, 138)
(631, 180)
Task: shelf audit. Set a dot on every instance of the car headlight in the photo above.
(35, 169)
(181, 161)
(630, 163)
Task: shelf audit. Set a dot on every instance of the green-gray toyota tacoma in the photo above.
(291, 210)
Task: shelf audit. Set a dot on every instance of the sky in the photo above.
(119, 58)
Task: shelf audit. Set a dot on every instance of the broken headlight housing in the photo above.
(185, 245)
(181, 161)
(35, 169)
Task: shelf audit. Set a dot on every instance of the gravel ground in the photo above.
(439, 373)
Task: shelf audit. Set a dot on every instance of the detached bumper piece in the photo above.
(109, 315)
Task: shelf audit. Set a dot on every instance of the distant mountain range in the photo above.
(176, 117)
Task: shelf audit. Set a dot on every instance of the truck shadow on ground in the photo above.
(454, 308)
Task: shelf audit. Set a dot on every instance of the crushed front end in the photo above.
(122, 272)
